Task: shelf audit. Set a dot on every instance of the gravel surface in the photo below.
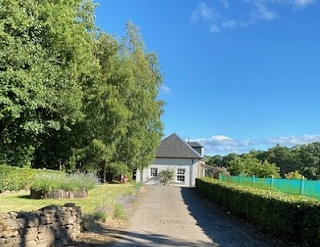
(176, 216)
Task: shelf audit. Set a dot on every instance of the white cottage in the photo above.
(184, 158)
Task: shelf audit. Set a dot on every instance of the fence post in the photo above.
(271, 183)
(301, 192)
(252, 181)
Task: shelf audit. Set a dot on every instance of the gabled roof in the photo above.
(174, 147)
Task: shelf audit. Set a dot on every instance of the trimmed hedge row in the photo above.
(297, 218)
(15, 178)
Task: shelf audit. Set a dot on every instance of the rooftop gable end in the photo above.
(175, 147)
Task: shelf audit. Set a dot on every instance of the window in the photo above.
(153, 172)
(181, 175)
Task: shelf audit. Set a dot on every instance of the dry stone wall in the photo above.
(46, 227)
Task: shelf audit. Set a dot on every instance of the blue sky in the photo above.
(238, 75)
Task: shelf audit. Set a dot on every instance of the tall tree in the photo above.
(45, 56)
(247, 165)
(283, 157)
(215, 160)
(138, 145)
(122, 122)
(308, 159)
(71, 94)
(107, 114)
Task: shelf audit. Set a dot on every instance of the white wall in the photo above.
(191, 167)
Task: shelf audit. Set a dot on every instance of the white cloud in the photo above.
(221, 144)
(214, 28)
(221, 16)
(207, 14)
(229, 24)
(303, 3)
(262, 11)
(221, 138)
(203, 12)
(165, 89)
(291, 140)
(225, 3)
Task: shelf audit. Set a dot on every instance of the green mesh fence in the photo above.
(289, 186)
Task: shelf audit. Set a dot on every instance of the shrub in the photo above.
(166, 176)
(293, 175)
(120, 211)
(15, 178)
(47, 182)
(100, 214)
(216, 171)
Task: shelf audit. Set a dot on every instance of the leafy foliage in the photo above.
(217, 171)
(293, 175)
(297, 218)
(249, 166)
(305, 159)
(71, 96)
(166, 176)
(47, 182)
(44, 56)
(15, 178)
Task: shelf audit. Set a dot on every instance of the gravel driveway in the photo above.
(176, 216)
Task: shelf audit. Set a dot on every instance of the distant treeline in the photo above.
(301, 159)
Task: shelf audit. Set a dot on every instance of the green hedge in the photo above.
(15, 178)
(297, 218)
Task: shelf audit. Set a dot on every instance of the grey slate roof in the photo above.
(195, 144)
(174, 147)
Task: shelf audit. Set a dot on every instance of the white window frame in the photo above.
(181, 175)
(153, 172)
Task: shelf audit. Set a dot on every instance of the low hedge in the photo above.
(297, 218)
(14, 178)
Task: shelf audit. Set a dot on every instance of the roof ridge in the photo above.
(189, 146)
(173, 146)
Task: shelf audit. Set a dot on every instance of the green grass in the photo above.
(103, 194)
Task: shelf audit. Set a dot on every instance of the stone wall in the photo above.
(46, 227)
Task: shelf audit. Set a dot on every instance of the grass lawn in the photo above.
(103, 194)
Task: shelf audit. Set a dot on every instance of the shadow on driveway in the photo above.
(133, 239)
(223, 228)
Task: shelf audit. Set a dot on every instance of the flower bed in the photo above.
(62, 186)
(59, 194)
